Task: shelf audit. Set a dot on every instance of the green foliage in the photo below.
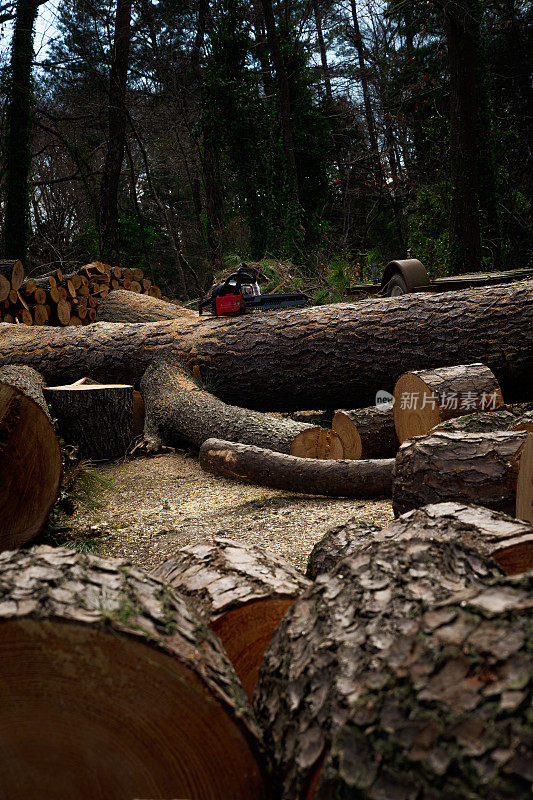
(428, 228)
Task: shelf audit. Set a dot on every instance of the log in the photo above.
(339, 478)
(524, 487)
(97, 418)
(126, 306)
(178, 410)
(344, 541)
(450, 716)
(5, 288)
(472, 468)
(119, 689)
(13, 271)
(317, 443)
(241, 592)
(31, 463)
(484, 422)
(346, 352)
(524, 422)
(333, 645)
(423, 399)
(367, 432)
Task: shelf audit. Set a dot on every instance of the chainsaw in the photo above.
(240, 294)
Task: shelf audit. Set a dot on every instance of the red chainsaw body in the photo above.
(229, 304)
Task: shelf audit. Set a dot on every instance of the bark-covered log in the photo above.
(484, 422)
(178, 410)
(241, 592)
(344, 541)
(451, 717)
(332, 646)
(128, 306)
(363, 479)
(97, 418)
(524, 487)
(345, 352)
(112, 687)
(425, 398)
(13, 271)
(367, 432)
(472, 468)
(31, 465)
(523, 422)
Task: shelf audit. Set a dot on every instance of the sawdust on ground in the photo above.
(157, 505)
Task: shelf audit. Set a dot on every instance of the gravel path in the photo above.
(157, 505)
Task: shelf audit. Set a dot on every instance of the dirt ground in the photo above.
(157, 505)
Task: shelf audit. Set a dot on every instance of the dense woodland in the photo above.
(183, 137)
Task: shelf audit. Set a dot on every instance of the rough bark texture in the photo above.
(344, 541)
(426, 397)
(242, 592)
(119, 690)
(125, 306)
(524, 487)
(486, 422)
(98, 419)
(346, 352)
(477, 468)
(332, 646)
(31, 465)
(524, 422)
(27, 379)
(333, 478)
(178, 410)
(451, 716)
(367, 432)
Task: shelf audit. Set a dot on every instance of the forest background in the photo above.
(319, 138)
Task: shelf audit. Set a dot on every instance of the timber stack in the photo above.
(59, 299)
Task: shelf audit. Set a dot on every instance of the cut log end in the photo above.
(349, 435)
(317, 443)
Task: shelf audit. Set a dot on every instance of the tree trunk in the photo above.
(119, 690)
(369, 114)
(178, 410)
(345, 352)
(109, 239)
(367, 432)
(19, 136)
(333, 646)
(424, 399)
(121, 305)
(345, 541)
(31, 464)
(241, 592)
(323, 56)
(477, 468)
(362, 479)
(450, 716)
(95, 417)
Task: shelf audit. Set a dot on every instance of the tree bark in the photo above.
(178, 410)
(332, 647)
(470, 659)
(485, 422)
(121, 305)
(524, 487)
(109, 238)
(367, 432)
(97, 418)
(425, 398)
(99, 644)
(31, 463)
(345, 352)
(241, 592)
(362, 479)
(477, 468)
(346, 540)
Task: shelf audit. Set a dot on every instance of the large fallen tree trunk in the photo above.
(31, 464)
(241, 592)
(121, 305)
(451, 717)
(334, 644)
(335, 356)
(473, 468)
(177, 410)
(112, 687)
(339, 478)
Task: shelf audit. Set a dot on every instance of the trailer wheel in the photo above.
(396, 286)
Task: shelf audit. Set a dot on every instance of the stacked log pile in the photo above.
(59, 299)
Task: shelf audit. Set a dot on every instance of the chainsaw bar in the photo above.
(267, 302)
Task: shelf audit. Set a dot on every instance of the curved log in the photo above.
(333, 645)
(344, 541)
(473, 468)
(177, 410)
(426, 397)
(241, 592)
(311, 476)
(450, 716)
(367, 432)
(128, 306)
(113, 687)
(345, 352)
